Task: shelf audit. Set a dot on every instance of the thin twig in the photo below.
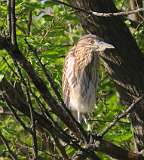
(122, 115)
(29, 22)
(5, 142)
(33, 125)
(10, 67)
(6, 113)
(17, 117)
(8, 17)
(13, 23)
(103, 121)
(123, 13)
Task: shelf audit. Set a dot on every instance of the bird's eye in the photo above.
(100, 42)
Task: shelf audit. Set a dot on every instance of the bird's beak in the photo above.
(107, 45)
(102, 46)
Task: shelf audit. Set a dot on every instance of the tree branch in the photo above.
(82, 155)
(120, 116)
(33, 126)
(13, 22)
(98, 14)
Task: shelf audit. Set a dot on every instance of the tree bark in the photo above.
(125, 63)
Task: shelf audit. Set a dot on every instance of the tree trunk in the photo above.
(126, 64)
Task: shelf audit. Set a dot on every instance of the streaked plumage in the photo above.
(80, 74)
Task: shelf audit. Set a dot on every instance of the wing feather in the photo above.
(79, 72)
(69, 79)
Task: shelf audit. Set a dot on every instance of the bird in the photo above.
(80, 75)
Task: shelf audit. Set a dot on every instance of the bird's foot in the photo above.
(141, 152)
(93, 141)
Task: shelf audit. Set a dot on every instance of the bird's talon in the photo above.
(93, 141)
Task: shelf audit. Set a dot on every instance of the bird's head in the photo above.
(94, 42)
(101, 46)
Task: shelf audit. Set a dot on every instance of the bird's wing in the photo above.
(69, 80)
(85, 68)
(75, 62)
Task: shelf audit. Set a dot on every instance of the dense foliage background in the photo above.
(48, 29)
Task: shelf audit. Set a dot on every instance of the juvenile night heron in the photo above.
(80, 75)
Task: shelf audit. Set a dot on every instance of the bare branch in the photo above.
(29, 22)
(10, 67)
(33, 126)
(9, 17)
(98, 14)
(123, 13)
(120, 116)
(13, 22)
(17, 117)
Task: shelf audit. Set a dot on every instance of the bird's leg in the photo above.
(79, 116)
(141, 152)
(92, 141)
(84, 118)
(86, 122)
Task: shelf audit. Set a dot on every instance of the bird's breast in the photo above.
(83, 95)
